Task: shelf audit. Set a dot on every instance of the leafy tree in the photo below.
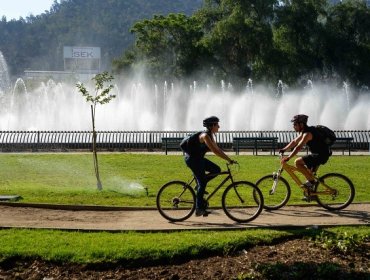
(299, 39)
(348, 42)
(234, 40)
(167, 45)
(101, 96)
(266, 40)
(225, 39)
(239, 36)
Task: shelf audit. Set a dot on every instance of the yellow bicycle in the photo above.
(333, 191)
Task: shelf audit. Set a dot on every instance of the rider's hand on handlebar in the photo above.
(233, 162)
(281, 152)
(284, 159)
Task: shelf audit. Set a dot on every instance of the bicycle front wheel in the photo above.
(176, 201)
(275, 191)
(242, 201)
(335, 191)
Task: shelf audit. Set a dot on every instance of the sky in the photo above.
(13, 9)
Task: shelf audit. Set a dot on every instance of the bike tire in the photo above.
(344, 188)
(278, 199)
(242, 201)
(176, 201)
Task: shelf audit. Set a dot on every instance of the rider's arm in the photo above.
(292, 144)
(300, 141)
(204, 137)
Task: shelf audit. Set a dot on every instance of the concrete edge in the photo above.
(76, 207)
(117, 208)
(244, 227)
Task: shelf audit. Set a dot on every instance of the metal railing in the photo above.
(141, 140)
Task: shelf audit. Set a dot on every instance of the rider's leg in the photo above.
(197, 166)
(302, 167)
(305, 165)
(211, 168)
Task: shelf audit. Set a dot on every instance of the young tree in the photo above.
(101, 96)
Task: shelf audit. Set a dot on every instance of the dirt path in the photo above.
(94, 218)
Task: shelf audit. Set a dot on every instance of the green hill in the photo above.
(36, 42)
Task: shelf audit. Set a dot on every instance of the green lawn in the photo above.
(126, 247)
(69, 178)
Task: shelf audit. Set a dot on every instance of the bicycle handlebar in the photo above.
(232, 162)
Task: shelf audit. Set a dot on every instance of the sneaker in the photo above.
(201, 212)
(309, 187)
(306, 198)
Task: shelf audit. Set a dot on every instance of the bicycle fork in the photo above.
(275, 176)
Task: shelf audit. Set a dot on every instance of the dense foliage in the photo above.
(265, 40)
(37, 42)
(233, 40)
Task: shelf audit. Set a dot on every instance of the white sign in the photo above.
(82, 52)
(81, 59)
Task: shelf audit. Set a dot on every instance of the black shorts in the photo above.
(314, 160)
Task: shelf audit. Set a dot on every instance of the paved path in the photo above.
(150, 220)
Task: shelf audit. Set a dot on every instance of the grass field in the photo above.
(105, 247)
(69, 178)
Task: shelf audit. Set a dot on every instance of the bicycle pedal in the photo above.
(306, 193)
(310, 198)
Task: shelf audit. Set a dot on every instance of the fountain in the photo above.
(4, 75)
(19, 87)
(346, 94)
(138, 106)
(250, 86)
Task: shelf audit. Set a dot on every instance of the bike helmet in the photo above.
(300, 119)
(210, 121)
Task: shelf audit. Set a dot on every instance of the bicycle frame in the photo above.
(290, 169)
(214, 175)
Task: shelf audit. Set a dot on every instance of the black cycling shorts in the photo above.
(314, 160)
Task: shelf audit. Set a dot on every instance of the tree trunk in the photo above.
(95, 155)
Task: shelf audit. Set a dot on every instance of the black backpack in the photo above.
(326, 135)
(189, 143)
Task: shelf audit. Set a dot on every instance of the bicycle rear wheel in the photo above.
(176, 201)
(242, 201)
(338, 194)
(274, 198)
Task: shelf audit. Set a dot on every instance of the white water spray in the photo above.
(58, 106)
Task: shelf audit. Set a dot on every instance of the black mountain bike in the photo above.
(241, 201)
